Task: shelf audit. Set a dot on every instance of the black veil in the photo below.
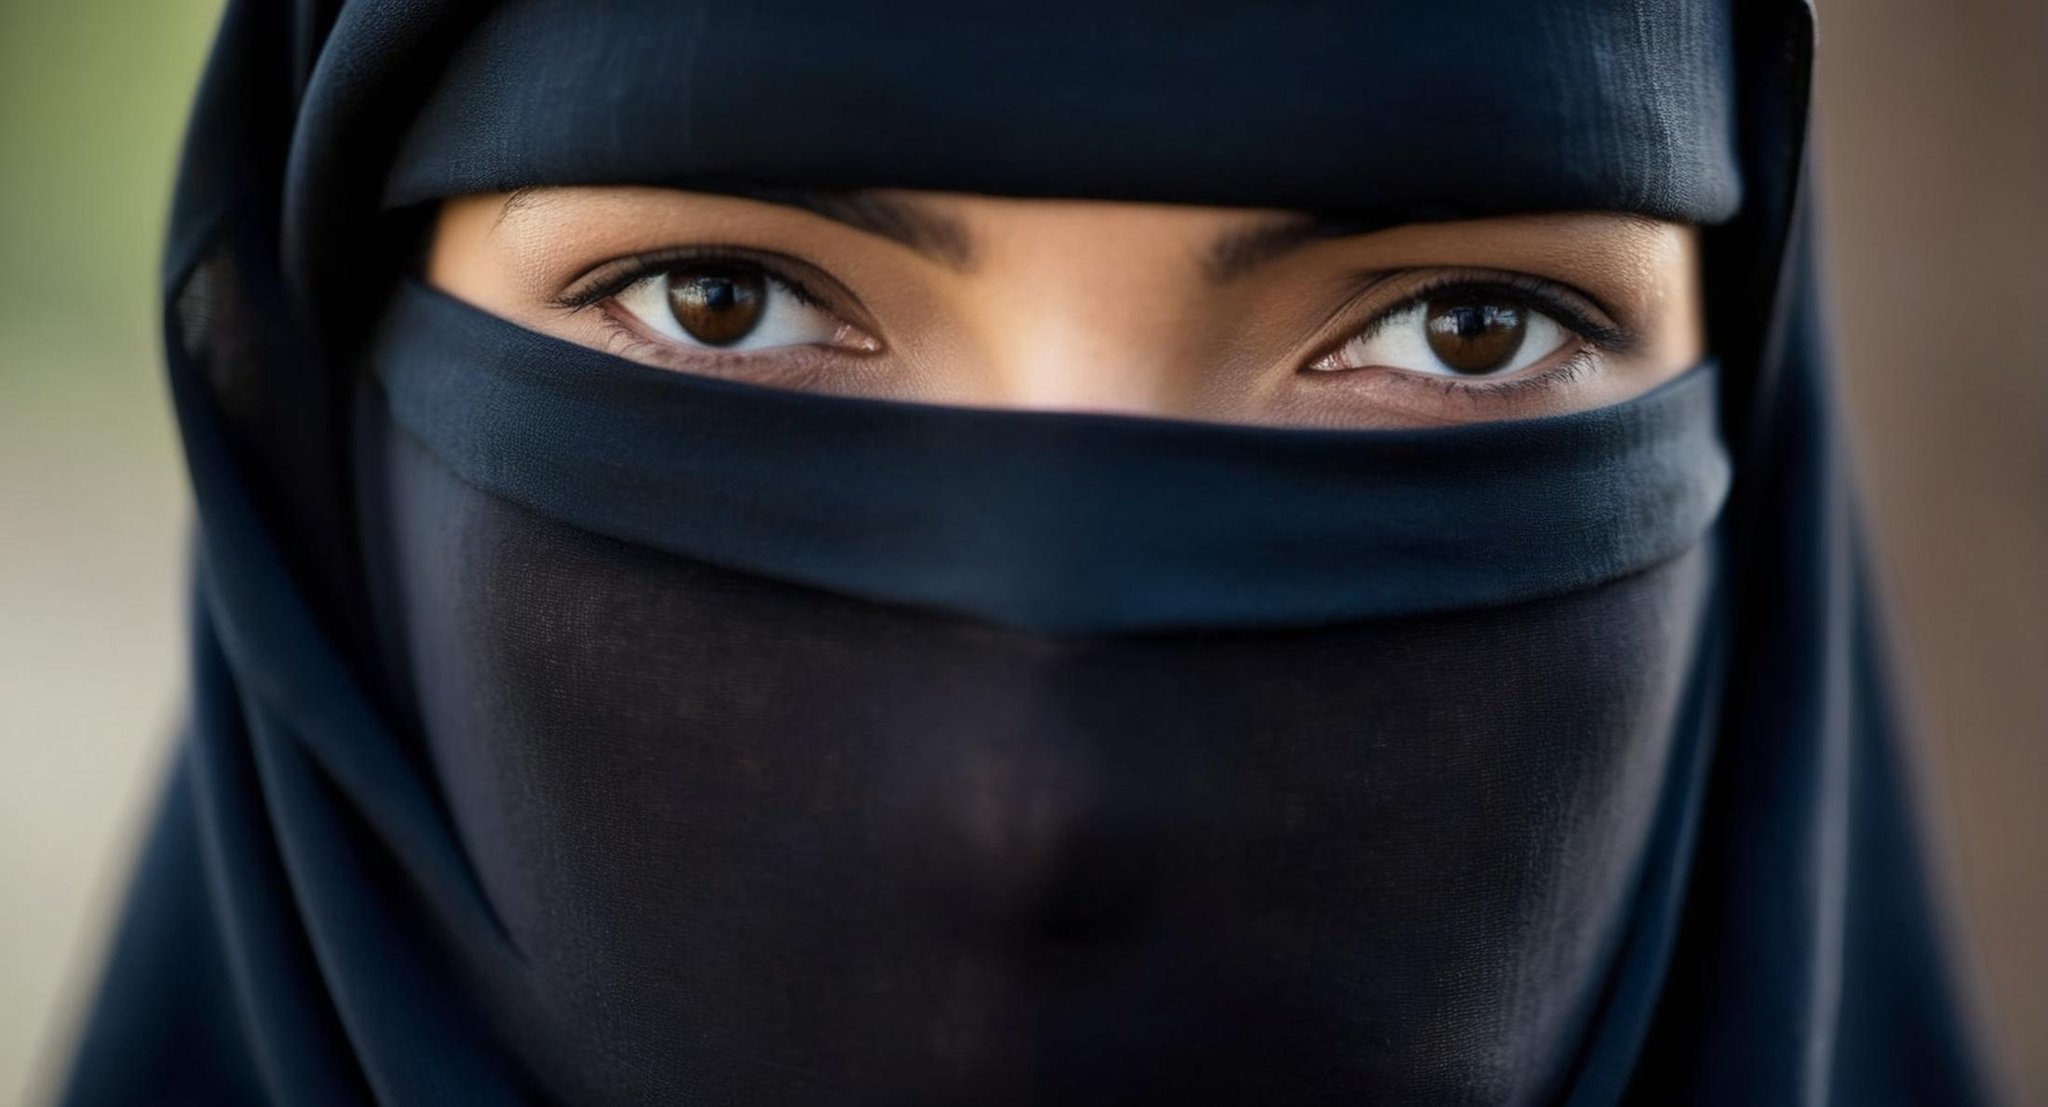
(564, 730)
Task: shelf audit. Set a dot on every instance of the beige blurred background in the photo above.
(1935, 121)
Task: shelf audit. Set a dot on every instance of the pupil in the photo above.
(1474, 337)
(717, 309)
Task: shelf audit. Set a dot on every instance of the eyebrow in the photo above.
(1232, 255)
(936, 236)
(948, 240)
(1241, 251)
(933, 235)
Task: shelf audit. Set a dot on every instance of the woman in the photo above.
(813, 554)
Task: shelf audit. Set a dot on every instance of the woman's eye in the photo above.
(1453, 336)
(731, 308)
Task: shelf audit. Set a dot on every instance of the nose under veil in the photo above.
(569, 730)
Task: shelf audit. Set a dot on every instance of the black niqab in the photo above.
(567, 730)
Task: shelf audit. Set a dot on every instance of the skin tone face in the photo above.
(1226, 314)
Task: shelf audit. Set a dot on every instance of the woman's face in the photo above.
(1228, 314)
(749, 831)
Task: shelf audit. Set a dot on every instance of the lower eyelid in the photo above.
(1574, 367)
(796, 374)
(775, 365)
(1504, 393)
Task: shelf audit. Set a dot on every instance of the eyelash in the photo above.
(614, 277)
(794, 367)
(1535, 293)
(1521, 290)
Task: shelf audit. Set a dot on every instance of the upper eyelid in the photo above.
(1552, 297)
(609, 278)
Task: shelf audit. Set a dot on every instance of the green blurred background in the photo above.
(1935, 120)
(93, 507)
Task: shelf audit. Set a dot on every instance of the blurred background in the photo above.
(1934, 120)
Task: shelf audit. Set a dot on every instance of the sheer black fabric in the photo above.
(1085, 523)
(568, 731)
(1054, 851)
(897, 857)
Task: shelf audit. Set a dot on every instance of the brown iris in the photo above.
(717, 307)
(1473, 336)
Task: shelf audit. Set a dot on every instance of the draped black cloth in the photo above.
(566, 730)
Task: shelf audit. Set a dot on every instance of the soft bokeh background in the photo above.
(93, 505)
(1935, 120)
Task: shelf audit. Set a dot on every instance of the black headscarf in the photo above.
(568, 730)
